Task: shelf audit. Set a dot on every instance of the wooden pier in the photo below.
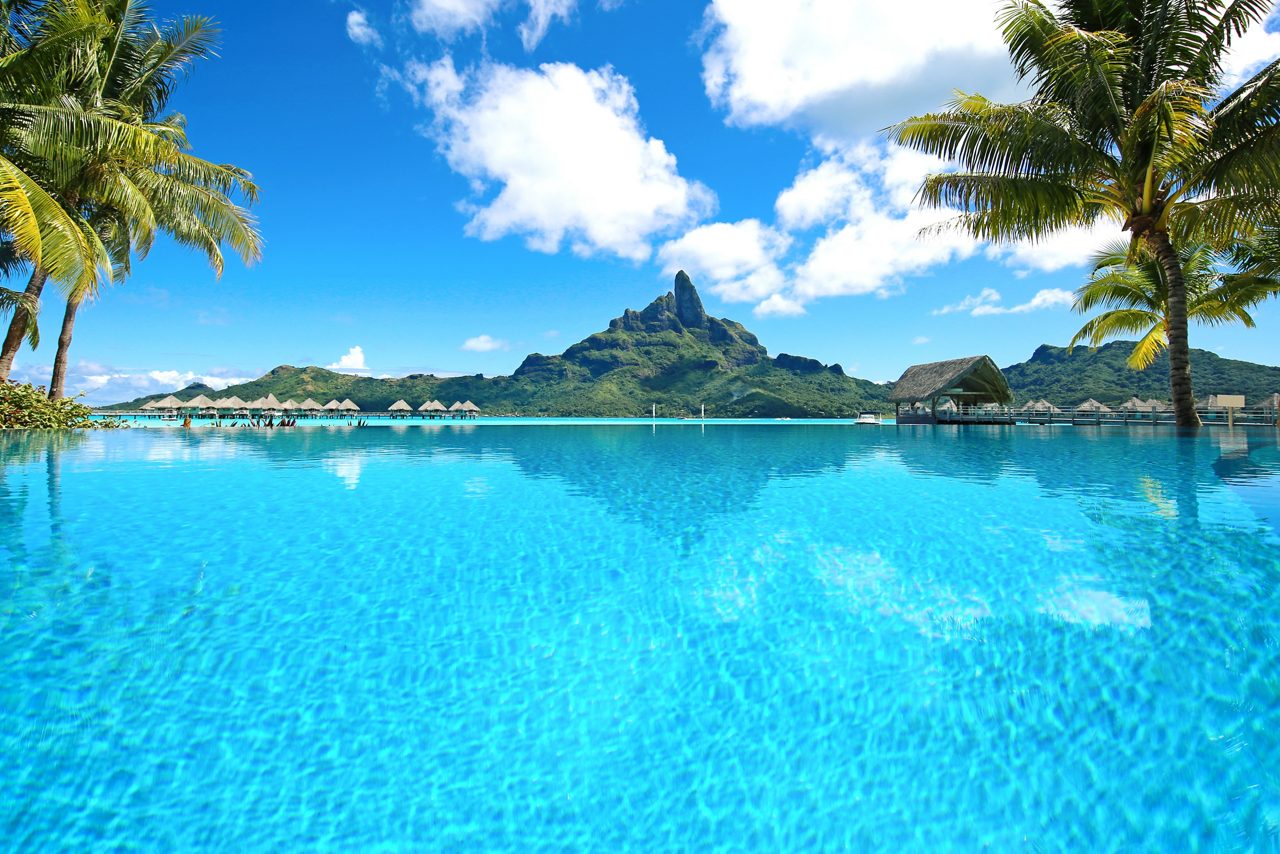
(1266, 417)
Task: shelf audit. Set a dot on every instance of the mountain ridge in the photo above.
(673, 354)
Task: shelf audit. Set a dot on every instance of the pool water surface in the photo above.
(672, 636)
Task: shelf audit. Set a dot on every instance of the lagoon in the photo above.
(673, 635)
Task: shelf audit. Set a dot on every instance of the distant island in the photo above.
(674, 355)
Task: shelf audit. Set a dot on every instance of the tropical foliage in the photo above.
(1127, 122)
(1134, 291)
(95, 164)
(1067, 377)
(23, 405)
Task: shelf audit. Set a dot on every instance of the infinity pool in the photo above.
(768, 637)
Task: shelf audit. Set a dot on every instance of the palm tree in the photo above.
(139, 66)
(83, 117)
(1125, 123)
(1135, 295)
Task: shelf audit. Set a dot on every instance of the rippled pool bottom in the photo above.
(767, 637)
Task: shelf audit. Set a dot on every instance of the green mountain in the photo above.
(1102, 374)
(672, 354)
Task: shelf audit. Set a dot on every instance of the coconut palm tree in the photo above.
(1127, 122)
(1135, 295)
(92, 135)
(138, 69)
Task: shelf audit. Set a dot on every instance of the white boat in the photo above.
(868, 418)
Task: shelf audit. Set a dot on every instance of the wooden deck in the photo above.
(1116, 418)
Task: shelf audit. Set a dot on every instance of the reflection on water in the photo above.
(761, 636)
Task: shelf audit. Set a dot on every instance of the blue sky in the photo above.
(449, 185)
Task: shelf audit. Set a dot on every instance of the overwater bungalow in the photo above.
(332, 407)
(311, 407)
(348, 405)
(469, 409)
(398, 407)
(1092, 405)
(456, 410)
(970, 381)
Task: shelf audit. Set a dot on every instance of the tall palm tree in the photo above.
(1126, 123)
(1135, 295)
(91, 134)
(138, 69)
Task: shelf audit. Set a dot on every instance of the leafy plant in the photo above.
(23, 405)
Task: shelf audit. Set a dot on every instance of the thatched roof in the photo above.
(310, 404)
(289, 404)
(1135, 404)
(1092, 405)
(197, 402)
(468, 406)
(457, 406)
(348, 405)
(1155, 404)
(437, 406)
(272, 401)
(333, 404)
(234, 402)
(399, 406)
(974, 379)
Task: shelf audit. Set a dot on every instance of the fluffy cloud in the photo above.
(920, 339)
(104, 384)
(738, 259)
(449, 18)
(1251, 51)
(1070, 247)
(848, 67)
(567, 151)
(485, 344)
(351, 363)
(779, 306)
(360, 31)
(988, 302)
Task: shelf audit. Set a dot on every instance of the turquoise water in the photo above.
(768, 637)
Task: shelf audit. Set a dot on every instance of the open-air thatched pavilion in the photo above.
(969, 381)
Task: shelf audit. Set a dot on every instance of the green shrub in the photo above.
(25, 405)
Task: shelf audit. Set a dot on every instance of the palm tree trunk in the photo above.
(58, 383)
(18, 325)
(1184, 402)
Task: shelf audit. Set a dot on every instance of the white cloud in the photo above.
(360, 31)
(1070, 247)
(988, 302)
(103, 384)
(738, 259)
(871, 254)
(779, 305)
(820, 195)
(1251, 51)
(988, 296)
(920, 339)
(567, 150)
(541, 13)
(485, 344)
(448, 18)
(849, 67)
(352, 362)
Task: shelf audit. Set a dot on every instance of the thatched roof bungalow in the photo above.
(1092, 405)
(968, 381)
(400, 406)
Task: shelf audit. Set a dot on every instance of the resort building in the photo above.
(971, 381)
